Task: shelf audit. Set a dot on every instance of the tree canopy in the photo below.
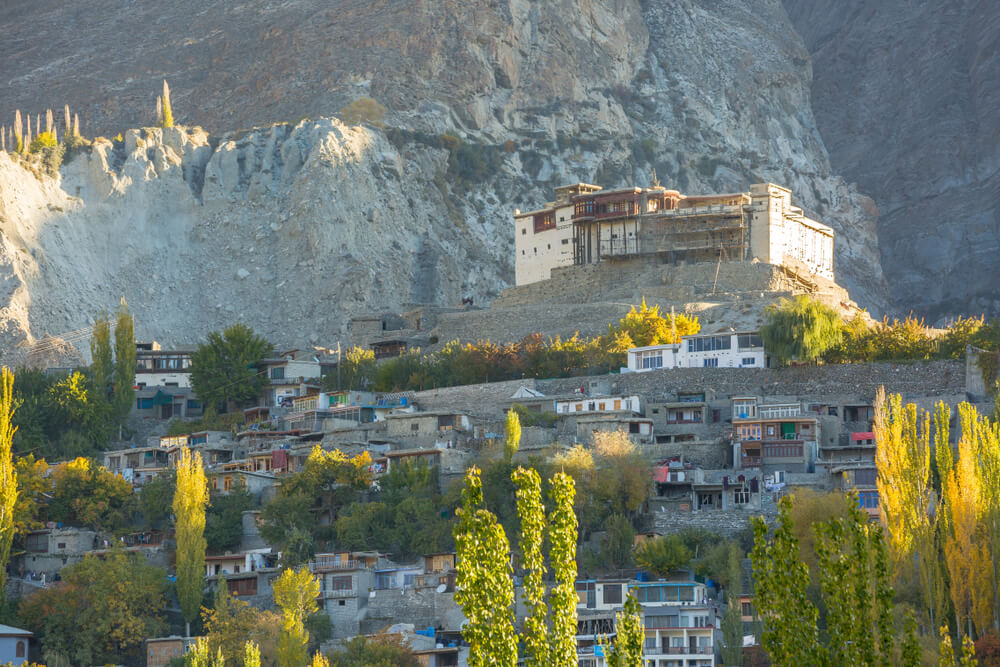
(800, 329)
(224, 368)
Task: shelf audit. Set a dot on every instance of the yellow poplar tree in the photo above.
(168, 112)
(512, 432)
(190, 499)
(903, 459)
(8, 475)
(295, 591)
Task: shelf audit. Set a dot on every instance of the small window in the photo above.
(746, 609)
(19, 651)
(748, 361)
(741, 497)
(60, 545)
(565, 241)
(414, 427)
(549, 246)
(710, 363)
(524, 231)
(612, 593)
(278, 373)
(342, 603)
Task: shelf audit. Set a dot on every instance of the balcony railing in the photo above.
(678, 650)
(339, 593)
(321, 564)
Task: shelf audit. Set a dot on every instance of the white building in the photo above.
(587, 225)
(155, 367)
(727, 350)
(544, 237)
(592, 404)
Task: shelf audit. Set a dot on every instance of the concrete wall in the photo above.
(424, 607)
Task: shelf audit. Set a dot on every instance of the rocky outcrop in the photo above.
(294, 227)
(907, 101)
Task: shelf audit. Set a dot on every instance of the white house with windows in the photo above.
(721, 350)
(597, 404)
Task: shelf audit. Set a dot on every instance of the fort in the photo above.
(588, 225)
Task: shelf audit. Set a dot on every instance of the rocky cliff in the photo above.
(907, 100)
(294, 227)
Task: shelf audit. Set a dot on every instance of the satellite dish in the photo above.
(442, 588)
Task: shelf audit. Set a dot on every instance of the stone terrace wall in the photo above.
(918, 379)
(482, 400)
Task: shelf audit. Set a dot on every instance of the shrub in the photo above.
(363, 110)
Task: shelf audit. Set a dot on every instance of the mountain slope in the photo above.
(713, 95)
(907, 101)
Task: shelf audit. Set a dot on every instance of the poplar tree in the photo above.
(629, 637)
(906, 495)
(911, 654)
(251, 654)
(168, 113)
(484, 588)
(295, 591)
(67, 123)
(18, 131)
(159, 110)
(789, 620)
(8, 475)
(532, 515)
(190, 499)
(732, 623)
(125, 362)
(49, 120)
(76, 125)
(563, 598)
(512, 435)
(102, 364)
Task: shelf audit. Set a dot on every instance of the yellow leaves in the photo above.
(190, 500)
(8, 474)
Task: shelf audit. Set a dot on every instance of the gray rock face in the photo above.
(907, 99)
(327, 220)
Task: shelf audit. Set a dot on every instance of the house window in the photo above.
(414, 427)
(524, 231)
(19, 651)
(612, 593)
(144, 403)
(710, 363)
(868, 499)
(749, 361)
(278, 373)
(741, 497)
(705, 499)
(408, 580)
(633, 427)
(746, 609)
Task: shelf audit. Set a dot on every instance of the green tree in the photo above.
(562, 555)
(87, 495)
(790, 632)
(123, 377)
(484, 588)
(223, 368)
(911, 654)
(190, 498)
(617, 542)
(662, 555)
(224, 518)
(295, 591)
(102, 360)
(531, 511)
(512, 433)
(156, 497)
(167, 109)
(732, 623)
(627, 650)
(9, 487)
(356, 370)
(800, 329)
(100, 612)
(382, 650)
(231, 623)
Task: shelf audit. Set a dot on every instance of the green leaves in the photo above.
(532, 515)
(562, 598)
(800, 329)
(223, 368)
(627, 648)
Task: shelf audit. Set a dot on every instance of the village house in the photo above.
(721, 350)
(684, 487)
(155, 367)
(165, 403)
(161, 650)
(597, 404)
(777, 437)
(138, 465)
(289, 376)
(14, 645)
(587, 225)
